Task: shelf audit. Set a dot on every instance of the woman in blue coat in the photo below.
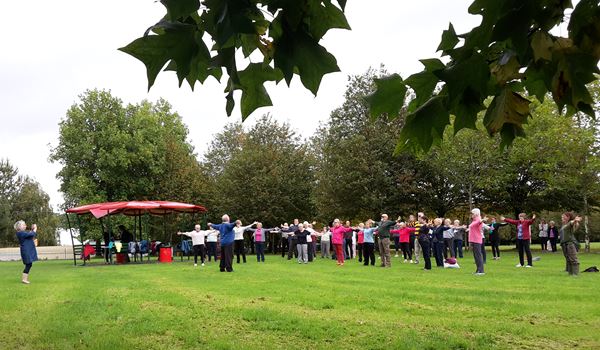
(27, 245)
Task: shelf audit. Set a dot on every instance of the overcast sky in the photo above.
(52, 51)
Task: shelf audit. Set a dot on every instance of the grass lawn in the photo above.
(283, 305)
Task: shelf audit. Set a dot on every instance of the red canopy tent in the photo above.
(132, 208)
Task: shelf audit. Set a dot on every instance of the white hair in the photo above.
(225, 218)
(20, 225)
(476, 211)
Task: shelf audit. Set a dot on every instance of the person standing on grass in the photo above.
(423, 239)
(458, 232)
(495, 237)
(259, 234)
(198, 246)
(411, 223)
(552, 235)
(369, 243)
(448, 240)
(404, 233)
(292, 239)
(523, 237)
(568, 241)
(325, 235)
(543, 229)
(347, 243)
(227, 237)
(383, 231)
(212, 237)
(396, 237)
(313, 237)
(360, 241)
(337, 238)
(302, 245)
(438, 241)
(27, 247)
(476, 239)
(239, 240)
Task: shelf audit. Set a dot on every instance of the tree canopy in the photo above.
(513, 52)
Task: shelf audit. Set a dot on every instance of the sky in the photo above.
(52, 51)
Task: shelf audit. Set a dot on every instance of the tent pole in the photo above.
(72, 241)
(110, 236)
(81, 237)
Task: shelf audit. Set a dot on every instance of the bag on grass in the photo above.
(591, 269)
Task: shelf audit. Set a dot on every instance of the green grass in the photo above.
(283, 305)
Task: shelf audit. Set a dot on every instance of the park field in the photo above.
(283, 305)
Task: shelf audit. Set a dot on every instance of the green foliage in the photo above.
(511, 51)
(285, 33)
(21, 198)
(112, 152)
(264, 174)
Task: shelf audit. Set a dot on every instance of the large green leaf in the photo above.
(542, 43)
(156, 50)
(388, 97)
(299, 50)
(506, 108)
(254, 94)
(180, 8)
(424, 126)
(449, 39)
(574, 70)
(584, 27)
(322, 16)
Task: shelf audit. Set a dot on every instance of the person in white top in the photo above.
(197, 243)
(238, 242)
(325, 242)
(543, 234)
(212, 238)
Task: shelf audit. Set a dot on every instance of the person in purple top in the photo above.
(227, 237)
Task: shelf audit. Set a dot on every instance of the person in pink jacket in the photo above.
(476, 239)
(523, 237)
(337, 238)
(404, 238)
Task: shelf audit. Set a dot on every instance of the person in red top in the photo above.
(360, 240)
(337, 237)
(523, 237)
(404, 238)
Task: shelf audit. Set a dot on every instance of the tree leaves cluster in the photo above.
(112, 152)
(21, 198)
(285, 34)
(265, 173)
(512, 53)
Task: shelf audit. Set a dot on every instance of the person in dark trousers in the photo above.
(458, 231)
(495, 237)
(238, 241)
(106, 250)
(438, 241)
(523, 237)
(27, 247)
(568, 241)
(348, 253)
(259, 235)
(369, 243)
(284, 240)
(552, 235)
(198, 247)
(423, 239)
(448, 240)
(227, 236)
(212, 238)
(476, 239)
(292, 239)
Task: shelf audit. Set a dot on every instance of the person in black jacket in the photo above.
(495, 237)
(553, 235)
(438, 241)
(301, 244)
(424, 241)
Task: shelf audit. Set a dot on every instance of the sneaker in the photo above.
(405, 260)
(479, 273)
(528, 266)
(195, 265)
(395, 256)
(202, 264)
(411, 261)
(518, 265)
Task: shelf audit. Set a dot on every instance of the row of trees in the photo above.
(21, 198)
(347, 169)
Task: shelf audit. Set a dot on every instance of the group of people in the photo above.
(415, 238)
